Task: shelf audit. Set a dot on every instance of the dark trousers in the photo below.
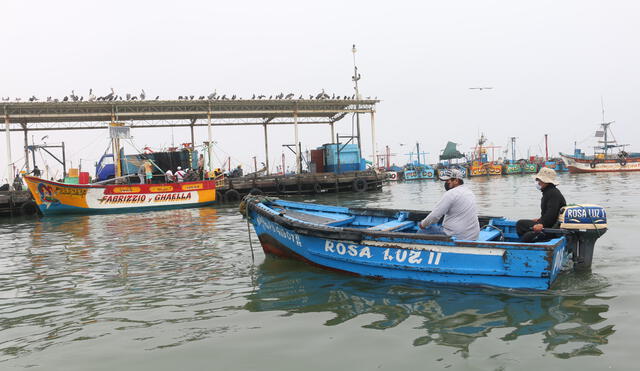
(523, 228)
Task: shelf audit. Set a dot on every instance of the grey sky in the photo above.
(548, 61)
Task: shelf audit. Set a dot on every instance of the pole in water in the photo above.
(250, 243)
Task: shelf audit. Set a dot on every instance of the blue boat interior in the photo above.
(398, 221)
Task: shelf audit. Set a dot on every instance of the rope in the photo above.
(150, 160)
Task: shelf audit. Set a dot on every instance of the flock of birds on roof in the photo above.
(112, 96)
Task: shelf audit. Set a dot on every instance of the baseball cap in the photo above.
(451, 174)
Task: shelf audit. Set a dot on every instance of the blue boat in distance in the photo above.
(418, 171)
(385, 243)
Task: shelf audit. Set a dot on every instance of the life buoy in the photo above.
(317, 188)
(592, 164)
(359, 185)
(424, 174)
(393, 176)
(29, 208)
(281, 187)
(429, 174)
(231, 196)
(623, 161)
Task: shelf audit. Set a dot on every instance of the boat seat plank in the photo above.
(488, 234)
(309, 218)
(392, 225)
(341, 222)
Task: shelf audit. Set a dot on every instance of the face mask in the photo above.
(538, 186)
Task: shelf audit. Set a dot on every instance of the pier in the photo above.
(233, 189)
(17, 203)
(87, 115)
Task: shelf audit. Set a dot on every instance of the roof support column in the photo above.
(295, 126)
(26, 147)
(193, 146)
(373, 137)
(8, 135)
(333, 134)
(266, 149)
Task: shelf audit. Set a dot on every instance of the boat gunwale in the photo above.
(105, 186)
(359, 235)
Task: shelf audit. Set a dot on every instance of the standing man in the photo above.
(458, 206)
(148, 170)
(179, 174)
(530, 230)
(168, 176)
(36, 172)
(201, 166)
(141, 173)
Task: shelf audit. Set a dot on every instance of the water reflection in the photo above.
(450, 316)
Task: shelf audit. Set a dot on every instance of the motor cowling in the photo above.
(586, 223)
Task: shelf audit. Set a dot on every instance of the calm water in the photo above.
(179, 290)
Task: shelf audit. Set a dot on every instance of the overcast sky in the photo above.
(549, 63)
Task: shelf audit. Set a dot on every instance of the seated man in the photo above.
(458, 206)
(530, 230)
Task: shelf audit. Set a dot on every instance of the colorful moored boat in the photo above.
(60, 198)
(418, 172)
(384, 243)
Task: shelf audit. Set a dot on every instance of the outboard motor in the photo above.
(586, 224)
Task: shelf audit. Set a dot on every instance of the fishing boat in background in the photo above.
(556, 164)
(520, 166)
(60, 198)
(417, 170)
(120, 196)
(480, 165)
(605, 157)
(386, 243)
(446, 160)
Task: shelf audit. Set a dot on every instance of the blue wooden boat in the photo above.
(385, 243)
(418, 172)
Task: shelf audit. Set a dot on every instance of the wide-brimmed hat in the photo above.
(547, 175)
(451, 174)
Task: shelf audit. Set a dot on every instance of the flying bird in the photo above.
(481, 88)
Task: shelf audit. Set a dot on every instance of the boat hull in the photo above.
(412, 257)
(576, 165)
(418, 174)
(60, 198)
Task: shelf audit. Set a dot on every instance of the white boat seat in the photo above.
(393, 225)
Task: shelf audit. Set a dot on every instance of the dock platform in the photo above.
(233, 189)
(17, 203)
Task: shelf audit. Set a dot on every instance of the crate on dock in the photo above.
(347, 159)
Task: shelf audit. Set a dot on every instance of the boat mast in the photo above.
(546, 148)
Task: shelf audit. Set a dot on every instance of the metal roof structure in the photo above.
(166, 113)
(78, 115)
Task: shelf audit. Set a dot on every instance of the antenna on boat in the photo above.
(355, 78)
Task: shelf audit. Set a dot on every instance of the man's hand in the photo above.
(538, 227)
(420, 225)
